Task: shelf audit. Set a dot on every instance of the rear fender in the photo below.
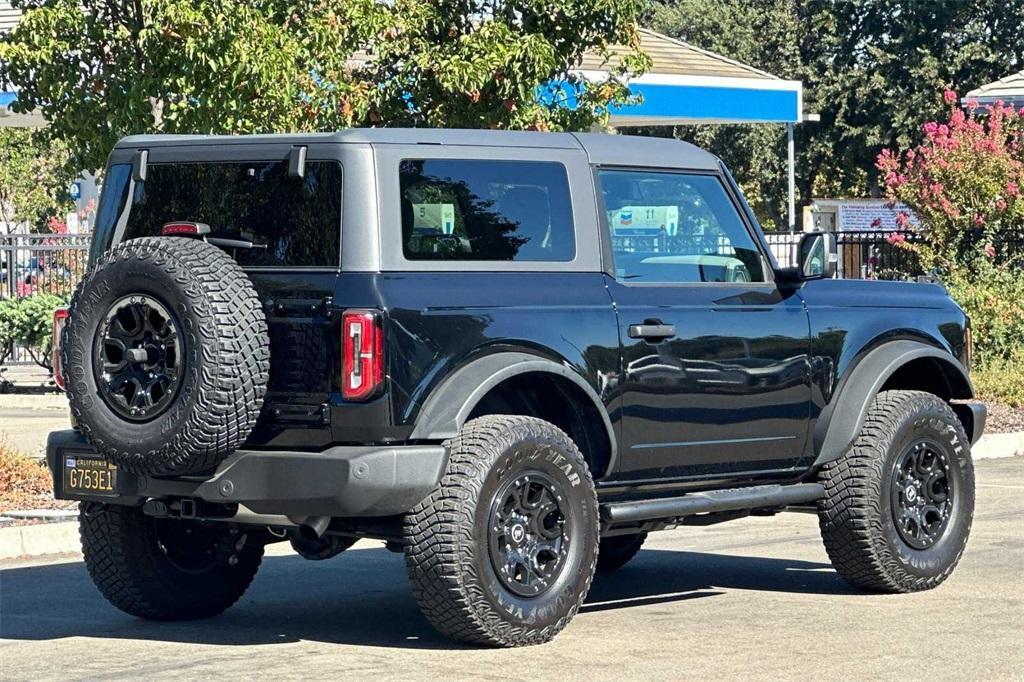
(450, 404)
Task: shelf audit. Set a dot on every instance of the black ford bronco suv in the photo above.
(510, 356)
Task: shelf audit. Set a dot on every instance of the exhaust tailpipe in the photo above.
(313, 527)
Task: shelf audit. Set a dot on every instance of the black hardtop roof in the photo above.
(601, 148)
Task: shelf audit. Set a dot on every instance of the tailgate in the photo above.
(303, 358)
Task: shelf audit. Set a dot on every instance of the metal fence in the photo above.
(41, 263)
(862, 255)
(54, 263)
(884, 254)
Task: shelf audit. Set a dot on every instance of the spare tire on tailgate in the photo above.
(166, 354)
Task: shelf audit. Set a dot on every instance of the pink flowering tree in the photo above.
(965, 181)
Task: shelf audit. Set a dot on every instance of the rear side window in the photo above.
(288, 221)
(115, 193)
(478, 210)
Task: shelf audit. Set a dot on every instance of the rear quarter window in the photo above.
(289, 221)
(479, 210)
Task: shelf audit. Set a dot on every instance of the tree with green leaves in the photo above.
(874, 70)
(33, 179)
(101, 69)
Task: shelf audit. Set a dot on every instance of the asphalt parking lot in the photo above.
(752, 599)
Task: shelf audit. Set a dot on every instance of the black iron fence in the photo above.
(878, 255)
(41, 263)
(54, 263)
(32, 264)
(885, 254)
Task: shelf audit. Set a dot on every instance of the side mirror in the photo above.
(817, 255)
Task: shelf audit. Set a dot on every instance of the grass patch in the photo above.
(1000, 379)
(24, 482)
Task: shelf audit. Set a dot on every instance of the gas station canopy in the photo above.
(1008, 90)
(688, 85)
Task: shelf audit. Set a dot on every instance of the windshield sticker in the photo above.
(437, 218)
(644, 220)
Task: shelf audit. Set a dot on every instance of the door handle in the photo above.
(652, 331)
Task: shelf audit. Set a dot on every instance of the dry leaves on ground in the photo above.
(25, 483)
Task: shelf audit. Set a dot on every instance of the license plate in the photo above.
(89, 476)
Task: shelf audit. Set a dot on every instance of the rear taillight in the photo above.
(60, 318)
(362, 354)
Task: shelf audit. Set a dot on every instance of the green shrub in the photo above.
(28, 322)
(1000, 379)
(965, 183)
(993, 297)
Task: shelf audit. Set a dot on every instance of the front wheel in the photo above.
(898, 506)
(503, 551)
(166, 569)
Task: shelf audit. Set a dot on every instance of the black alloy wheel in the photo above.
(138, 357)
(192, 547)
(922, 494)
(528, 534)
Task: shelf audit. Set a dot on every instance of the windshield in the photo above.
(273, 219)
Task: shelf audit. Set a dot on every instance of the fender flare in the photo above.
(842, 419)
(450, 404)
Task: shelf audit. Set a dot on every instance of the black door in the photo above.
(716, 381)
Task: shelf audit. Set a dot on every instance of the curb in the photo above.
(995, 445)
(33, 541)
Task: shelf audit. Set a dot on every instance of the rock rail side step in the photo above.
(733, 499)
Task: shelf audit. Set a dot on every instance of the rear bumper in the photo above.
(344, 481)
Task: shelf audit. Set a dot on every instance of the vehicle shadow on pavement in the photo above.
(362, 598)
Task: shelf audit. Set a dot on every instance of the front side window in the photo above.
(676, 227)
(279, 220)
(478, 210)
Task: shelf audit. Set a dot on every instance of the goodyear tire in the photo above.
(166, 569)
(503, 551)
(898, 506)
(166, 355)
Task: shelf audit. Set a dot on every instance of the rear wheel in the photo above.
(503, 551)
(166, 569)
(899, 505)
